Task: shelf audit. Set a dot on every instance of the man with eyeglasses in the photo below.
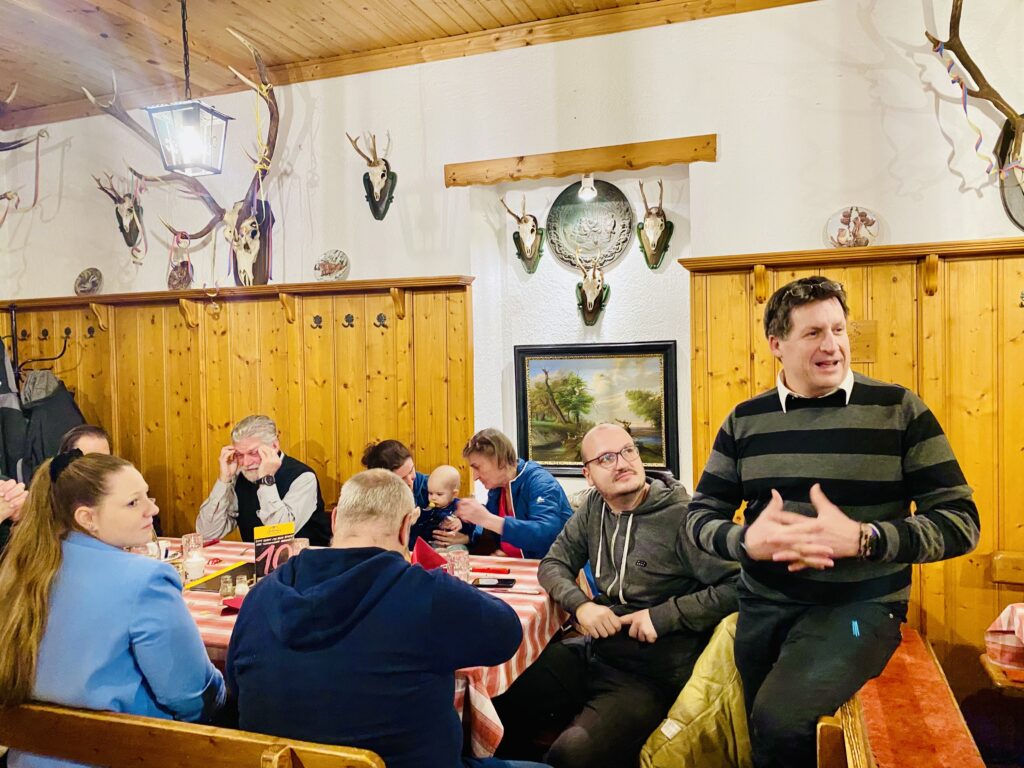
(660, 598)
(828, 464)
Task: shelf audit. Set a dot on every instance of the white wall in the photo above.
(816, 106)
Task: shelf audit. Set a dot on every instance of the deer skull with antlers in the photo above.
(12, 198)
(528, 237)
(249, 222)
(1008, 145)
(655, 230)
(379, 181)
(128, 210)
(592, 293)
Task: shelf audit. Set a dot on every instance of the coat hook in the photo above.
(382, 321)
(1022, 298)
(44, 334)
(67, 332)
(317, 322)
(90, 332)
(350, 321)
(23, 335)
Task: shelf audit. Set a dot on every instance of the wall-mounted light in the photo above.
(587, 189)
(191, 134)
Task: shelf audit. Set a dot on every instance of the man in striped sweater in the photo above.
(828, 464)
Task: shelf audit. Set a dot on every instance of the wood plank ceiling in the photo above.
(51, 48)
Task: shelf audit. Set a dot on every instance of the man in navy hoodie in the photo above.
(352, 645)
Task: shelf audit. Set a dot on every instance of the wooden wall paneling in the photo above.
(937, 621)
(380, 326)
(95, 369)
(1010, 535)
(186, 457)
(972, 427)
(215, 375)
(762, 361)
(699, 375)
(430, 356)
(128, 424)
(854, 280)
(154, 398)
(460, 381)
(270, 343)
(246, 342)
(351, 381)
(295, 414)
(405, 335)
(318, 351)
(729, 351)
(892, 303)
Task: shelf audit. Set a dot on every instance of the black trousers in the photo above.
(602, 714)
(799, 662)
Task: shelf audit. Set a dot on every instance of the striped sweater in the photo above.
(873, 457)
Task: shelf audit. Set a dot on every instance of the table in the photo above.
(474, 686)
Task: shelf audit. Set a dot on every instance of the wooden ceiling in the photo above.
(51, 48)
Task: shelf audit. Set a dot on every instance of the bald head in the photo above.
(599, 435)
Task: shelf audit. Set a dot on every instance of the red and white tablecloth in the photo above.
(474, 686)
(1004, 639)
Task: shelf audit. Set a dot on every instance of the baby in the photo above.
(442, 493)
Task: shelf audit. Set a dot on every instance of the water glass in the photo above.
(458, 564)
(227, 586)
(190, 542)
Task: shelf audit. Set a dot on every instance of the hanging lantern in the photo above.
(191, 134)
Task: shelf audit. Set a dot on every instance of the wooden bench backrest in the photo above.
(128, 741)
(1008, 567)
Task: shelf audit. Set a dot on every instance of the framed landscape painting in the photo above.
(564, 390)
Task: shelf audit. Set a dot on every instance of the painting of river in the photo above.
(562, 392)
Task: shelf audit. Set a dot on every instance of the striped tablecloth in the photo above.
(474, 686)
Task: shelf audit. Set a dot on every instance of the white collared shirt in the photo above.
(784, 391)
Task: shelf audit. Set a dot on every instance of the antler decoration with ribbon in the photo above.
(11, 198)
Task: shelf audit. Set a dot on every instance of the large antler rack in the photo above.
(7, 146)
(983, 89)
(116, 110)
(192, 185)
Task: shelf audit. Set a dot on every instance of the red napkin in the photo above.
(424, 556)
(232, 605)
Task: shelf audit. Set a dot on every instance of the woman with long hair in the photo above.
(83, 623)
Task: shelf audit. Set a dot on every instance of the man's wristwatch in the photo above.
(267, 480)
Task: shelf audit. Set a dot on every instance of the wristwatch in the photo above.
(267, 480)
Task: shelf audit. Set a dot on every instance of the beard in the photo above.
(627, 487)
(252, 475)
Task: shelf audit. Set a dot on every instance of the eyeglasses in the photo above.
(809, 290)
(609, 459)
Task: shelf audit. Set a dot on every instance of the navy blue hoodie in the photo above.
(358, 648)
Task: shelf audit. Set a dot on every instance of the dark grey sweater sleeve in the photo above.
(559, 569)
(699, 611)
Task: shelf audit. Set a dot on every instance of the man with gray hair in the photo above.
(260, 485)
(352, 645)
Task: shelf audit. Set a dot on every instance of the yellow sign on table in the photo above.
(273, 544)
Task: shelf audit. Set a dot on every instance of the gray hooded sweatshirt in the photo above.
(642, 559)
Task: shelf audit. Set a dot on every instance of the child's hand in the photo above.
(448, 538)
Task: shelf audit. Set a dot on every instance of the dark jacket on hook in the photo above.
(49, 417)
(12, 420)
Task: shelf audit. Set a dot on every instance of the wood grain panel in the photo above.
(1010, 341)
(127, 341)
(703, 430)
(351, 380)
(728, 349)
(154, 403)
(460, 382)
(430, 357)
(318, 351)
(381, 385)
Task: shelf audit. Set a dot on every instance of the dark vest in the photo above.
(317, 530)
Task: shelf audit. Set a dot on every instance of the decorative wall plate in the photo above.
(600, 230)
(89, 282)
(851, 227)
(332, 265)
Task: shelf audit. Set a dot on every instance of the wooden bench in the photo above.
(130, 741)
(907, 716)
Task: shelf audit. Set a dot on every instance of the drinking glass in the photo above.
(190, 542)
(458, 564)
(227, 586)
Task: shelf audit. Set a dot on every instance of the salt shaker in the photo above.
(227, 586)
(241, 586)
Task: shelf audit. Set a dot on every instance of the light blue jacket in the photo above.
(120, 638)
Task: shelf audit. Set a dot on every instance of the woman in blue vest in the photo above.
(83, 623)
